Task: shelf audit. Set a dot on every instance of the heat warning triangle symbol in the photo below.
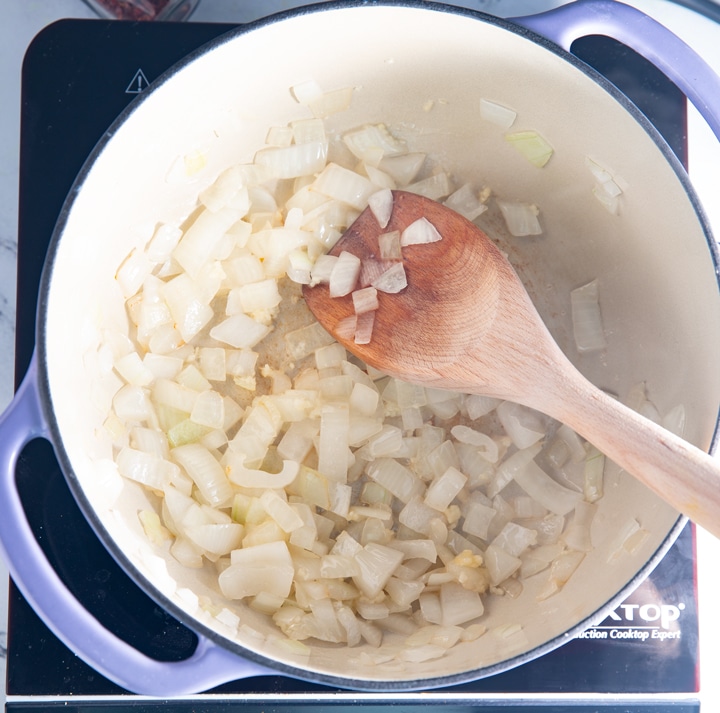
(138, 83)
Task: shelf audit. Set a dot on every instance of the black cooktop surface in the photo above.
(77, 77)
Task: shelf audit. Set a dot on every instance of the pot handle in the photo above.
(633, 28)
(208, 666)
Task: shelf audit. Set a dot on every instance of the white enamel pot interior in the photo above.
(421, 70)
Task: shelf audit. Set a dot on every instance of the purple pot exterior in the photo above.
(26, 418)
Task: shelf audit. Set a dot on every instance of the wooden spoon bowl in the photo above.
(465, 322)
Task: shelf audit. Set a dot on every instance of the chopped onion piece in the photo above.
(417, 516)
(593, 485)
(561, 570)
(404, 593)
(521, 218)
(497, 114)
(216, 538)
(459, 605)
(144, 468)
(515, 539)
(371, 269)
(365, 300)
(510, 467)
(416, 549)
(133, 370)
(606, 200)
(322, 269)
(344, 185)
(163, 242)
(403, 168)
(333, 442)
(389, 244)
(344, 275)
(381, 205)
(396, 478)
(466, 202)
(630, 536)
(500, 564)
(486, 445)
(600, 174)
(524, 425)
(373, 140)
(252, 478)
(304, 341)
(434, 187)
(209, 410)
(577, 536)
(444, 489)
(419, 232)
(532, 146)
(478, 519)
(240, 331)
(307, 92)
(392, 280)
(280, 511)
(379, 178)
(586, 318)
(578, 451)
(674, 420)
(293, 161)
(377, 564)
(132, 273)
(205, 471)
(198, 241)
(279, 136)
(606, 189)
(347, 327)
(364, 327)
(550, 494)
(264, 568)
(331, 102)
(476, 406)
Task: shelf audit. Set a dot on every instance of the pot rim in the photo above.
(274, 666)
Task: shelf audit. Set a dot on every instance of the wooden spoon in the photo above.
(466, 323)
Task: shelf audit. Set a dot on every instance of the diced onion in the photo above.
(381, 205)
(365, 300)
(524, 425)
(586, 318)
(497, 114)
(364, 327)
(344, 185)
(332, 102)
(337, 502)
(521, 218)
(390, 248)
(466, 202)
(373, 140)
(264, 568)
(293, 161)
(392, 280)
(435, 187)
(240, 331)
(307, 92)
(532, 146)
(542, 488)
(344, 275)
(205, 471)
(419, 232)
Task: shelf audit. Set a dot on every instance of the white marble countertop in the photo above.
(23, 19)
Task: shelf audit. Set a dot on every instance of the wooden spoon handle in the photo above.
(684, 476)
